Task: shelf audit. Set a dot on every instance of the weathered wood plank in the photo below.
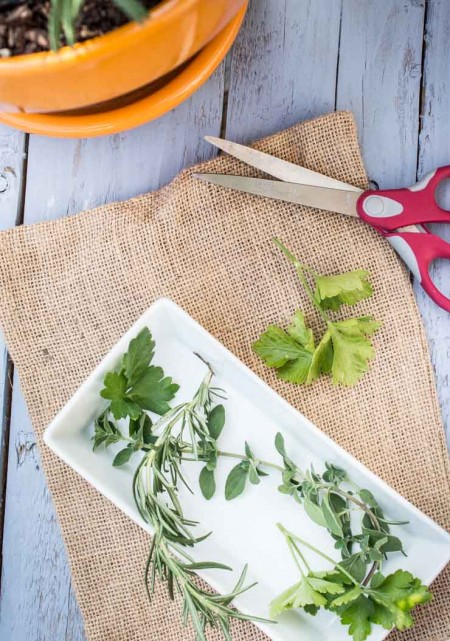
(36, 592)
(283, 66)
(434, 151)
(64, 177)
(379, 81)
(12, 163)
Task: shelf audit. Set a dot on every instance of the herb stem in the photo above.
(240, 457)
(289, 535)
(300, 269)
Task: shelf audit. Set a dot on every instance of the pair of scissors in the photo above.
(399, 215)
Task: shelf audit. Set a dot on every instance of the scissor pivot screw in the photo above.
(374, 206)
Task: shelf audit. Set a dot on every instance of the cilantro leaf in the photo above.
(291, 351)
(153, 391)
(297, 596)
(352, 350)
(300, 332)
(351, 594)
(276, 347)
(399, 593)
(342, 289)
(139, 355)
(357, 615)
(138, 386)
(322, 359)
(115, 390)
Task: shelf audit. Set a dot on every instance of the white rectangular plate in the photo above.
(243, 530)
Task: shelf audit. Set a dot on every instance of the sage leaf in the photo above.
(207, 483)
(235, 482)
(122, 457)
(216, 421)
(356, 566)
(314, 512)
(332, 521)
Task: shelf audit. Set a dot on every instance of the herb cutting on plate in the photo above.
(354, 587)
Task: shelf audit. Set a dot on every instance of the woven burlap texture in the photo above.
(70, 289)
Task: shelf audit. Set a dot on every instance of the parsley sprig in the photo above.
(385, 600)
(344, 351)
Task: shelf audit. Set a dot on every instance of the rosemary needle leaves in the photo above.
(137, 387)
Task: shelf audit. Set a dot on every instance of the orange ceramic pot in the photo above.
(114, 64)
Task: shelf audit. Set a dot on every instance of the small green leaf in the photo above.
(153, 391)
(122, 457)
(356, 566)
(332, 521)
(368, 498)
(206, 565)
(350, 595)
(300, 332)
(314, 512)
(253, 476)
(147, 428)
(207, 483)
(322, 358)
(279, 444)
(248, 451)
(352, 352)
(216, 421)
(235, 482)
(140, 353)
(357, 615)
(348, 288)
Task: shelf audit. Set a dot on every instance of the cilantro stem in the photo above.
(300, 269)
(289, 535)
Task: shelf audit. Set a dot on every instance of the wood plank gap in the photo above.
(7, 385)
(422, 90)
(226, 89)
(338, 56)
(23, 184)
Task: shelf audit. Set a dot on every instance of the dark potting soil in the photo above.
(23, 23)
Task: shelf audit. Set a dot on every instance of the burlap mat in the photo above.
(70, 288)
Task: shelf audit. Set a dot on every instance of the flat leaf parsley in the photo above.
(344, 351)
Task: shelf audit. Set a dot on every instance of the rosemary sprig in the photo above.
(155, 489)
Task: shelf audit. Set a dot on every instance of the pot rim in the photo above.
(164, 12)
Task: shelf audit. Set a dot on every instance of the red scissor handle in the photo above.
(390, 209)
(419, 250)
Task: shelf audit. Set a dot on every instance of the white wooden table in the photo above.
(388, 61)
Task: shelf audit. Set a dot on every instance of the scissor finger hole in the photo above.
(442, 194)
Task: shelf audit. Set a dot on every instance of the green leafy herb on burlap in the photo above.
(344, 351)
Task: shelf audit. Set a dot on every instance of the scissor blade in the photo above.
(277, 167)
(339, 200)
